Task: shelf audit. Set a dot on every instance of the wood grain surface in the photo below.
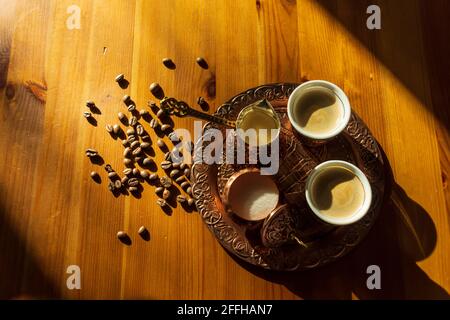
(53, 215)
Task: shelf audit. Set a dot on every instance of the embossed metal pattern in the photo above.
(325, 243)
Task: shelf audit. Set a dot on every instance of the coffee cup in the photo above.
(338, 192)
(319, 110)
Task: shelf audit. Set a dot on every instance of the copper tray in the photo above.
(325, 243)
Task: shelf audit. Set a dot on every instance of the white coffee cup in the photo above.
(294, 108)
(352, 217)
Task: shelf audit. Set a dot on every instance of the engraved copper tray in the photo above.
(325, 243)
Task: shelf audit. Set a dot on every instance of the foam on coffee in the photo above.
(337, 192)
(318, 110)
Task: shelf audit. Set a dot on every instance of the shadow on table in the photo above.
(402, 235)
(21, 276)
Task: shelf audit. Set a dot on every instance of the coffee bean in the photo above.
(145, 145)
(126, 152)
(189, 191)
(143, 112)
(127, 162)
(87, 114)
(181, 198)
(160, 113)
(90, 104)
(131, 138)
(126, 98)
(116, 129)
(165, 181)
(145, 137)
(143, 232)
(122, 236)
(202, 63)
(165, 127)
(133, 182)
(156, 90)
(166, 194)
(119, 78)
(117, 184)
(137, 151)
(112, 175)
(168, 156)
(135, 144)
(130, 131)
(138, 159)
(187, 172)
(144, 174)
(161, 202)
(166, 165)
(133, 121)
(190, 201)
(154, 123)
(121, 116)
(183, 166)
(133, 189)
(109, 128)
(159, 189)
(131, 107)
(179, 179)
(135, 171)
(185, 184)
(111, 186)
(124, 142)
(139, 129)
(203, 104)
(90, 153)
(153, 177)
(124, 180)
(108, 168)
(147, 161)
(94, 175)
(127, 171)
(176, 165)
(160, 143)
(173, 137)
(168, 63)
(174, 173)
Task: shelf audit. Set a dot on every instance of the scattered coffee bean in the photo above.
(181, 198)
(133, 121)
(189, 191)
(135, 171)
(121, 116)
(180, 179)
(133, 182)
(109, 128)
(143, 112)
(183, 166)
(131, 107)
(168, 156)
(153, 177)
(202, 62)
(161, 202)
(127, 171)
(90, 104)
(124, 142)
(112, 175)
(139, 129)
(143, 232)
(174, 173)
(117, 184)
(124, 180)
(126, 98)
(166, 165)
(159, 189)
(160, 113)
(165, 181)
(203, 104)
(166, 194)
(119, 78)
(184, 184)
(131, 138)
(127, 162)
(116, 129)
(134, 144)
(190, 201)
(176, 165)
(154, 123)
(111, 186)
(87, 114)
(168, 63)
(147, 161)
(145, 137)
(108, 168)
(160, 143)
(91, 153)
(173, 137)
(130, 131)
(132, 189)
(144, 174)
(145, 145)
(187, 172)
(126, 152)
(123, 237)
(137, 151)
(138, 159)
(152, 104)
(94, 175)
(156, 90)
(165, 127)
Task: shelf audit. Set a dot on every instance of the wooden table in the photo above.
(52, 215)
